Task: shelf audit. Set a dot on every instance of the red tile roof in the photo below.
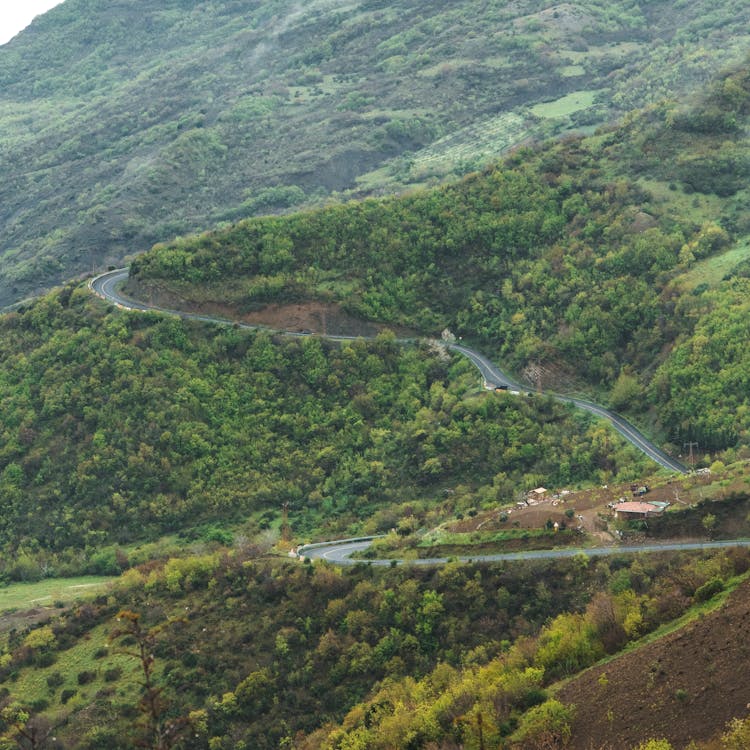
(636, 507)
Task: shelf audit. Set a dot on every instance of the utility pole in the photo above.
(690, 447)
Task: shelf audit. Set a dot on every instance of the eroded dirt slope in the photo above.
(684, 687)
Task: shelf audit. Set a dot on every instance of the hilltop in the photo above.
(122, 126)
(609, 264)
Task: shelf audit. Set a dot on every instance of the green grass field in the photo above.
(49, 591)
(94, 655)
(565, 105)
(712, 270)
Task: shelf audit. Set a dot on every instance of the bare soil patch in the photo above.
(309, 316)
(20, 619)
(318, 317)
(685, 686)
(589, 511)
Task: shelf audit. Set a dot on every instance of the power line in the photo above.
(690, 447)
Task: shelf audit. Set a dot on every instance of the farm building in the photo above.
(540, 493)
(631, 511)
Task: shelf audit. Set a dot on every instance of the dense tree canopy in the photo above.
(255, 653)
(558, 261)
(119, 427)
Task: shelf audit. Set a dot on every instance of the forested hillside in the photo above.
(503, 703)
(186, 457)
(602, 263)
(249, 653)
(124, 124)
(121, 428)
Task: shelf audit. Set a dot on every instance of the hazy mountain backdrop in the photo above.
(125, 123)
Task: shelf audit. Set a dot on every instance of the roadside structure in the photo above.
(630, 511)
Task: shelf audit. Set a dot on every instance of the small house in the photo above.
(631, 511)
(540, 493)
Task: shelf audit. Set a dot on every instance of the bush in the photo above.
(85, 677)
(39, 704)
(546, 725)
(217, 534)
(112, 675)
(104, 563)
(708, 590)
(55, 680)
(45, 659)
(104, 738)
(66, 695)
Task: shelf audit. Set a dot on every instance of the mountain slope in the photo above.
(123, 125)
(603, 262)
(262, 653)
(674, 687)
(683, 687)
(120, 428)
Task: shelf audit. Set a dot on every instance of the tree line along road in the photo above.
(107, 286)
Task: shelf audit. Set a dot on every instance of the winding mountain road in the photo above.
(340, 552)
(493, 376)
(107, 286)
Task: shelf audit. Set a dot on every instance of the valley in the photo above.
(464, 286)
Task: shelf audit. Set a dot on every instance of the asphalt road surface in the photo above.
(107, 286)
(494, 377)
(340, 552)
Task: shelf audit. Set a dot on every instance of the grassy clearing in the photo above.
(712, 270)
(442, 537)
(565, 105)
(93, 654)
(49, 591)
(570, 71)
(698, 206)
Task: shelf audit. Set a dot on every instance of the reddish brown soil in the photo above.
(317, 317)
(296, 317)
(684, 687)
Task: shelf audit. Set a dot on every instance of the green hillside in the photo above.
(123, 124)
(502, 704)
(185, 458)
(245, 652)
(604, 264)
(122, 428)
